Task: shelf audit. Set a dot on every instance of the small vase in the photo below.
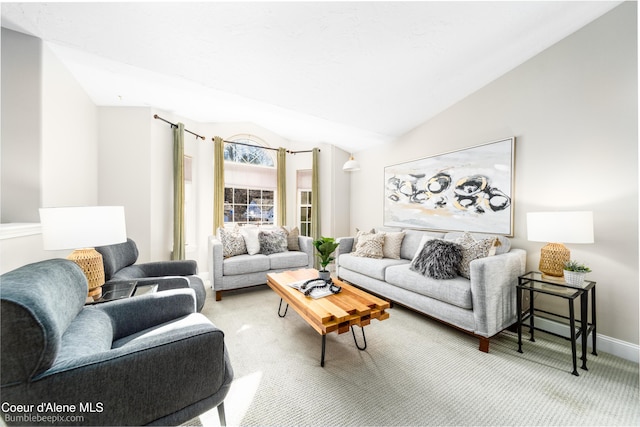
(574, 278)
(324, 274)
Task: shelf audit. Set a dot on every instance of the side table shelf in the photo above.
(533, 282)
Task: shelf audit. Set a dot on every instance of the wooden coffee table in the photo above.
(333, 313)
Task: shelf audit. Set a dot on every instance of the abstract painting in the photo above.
(465, 190)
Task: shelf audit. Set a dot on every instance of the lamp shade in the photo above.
(560, 227)
(82, 227)
(351, 165)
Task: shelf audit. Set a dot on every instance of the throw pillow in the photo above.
(438, 259)
(272, 242)
(424, 240)
(370, 245)
(392, 244)
(292, 238)
(232, 242)
(250, 234)
(358, 234)
(474, 249)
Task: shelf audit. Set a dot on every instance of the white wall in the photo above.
(47, 117)
(573, 110)
(21, 127)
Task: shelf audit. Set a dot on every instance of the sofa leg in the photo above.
(484, 344)
(218, 295)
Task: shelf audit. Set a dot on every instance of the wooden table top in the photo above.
(338, 312)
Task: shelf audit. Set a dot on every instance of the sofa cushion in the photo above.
(455, 291)
(232, 242)
(272, 242)
(411, 242)
(370, 245)
(243, 264)
(288, 259)
(371, 267)
(438, 259)
(392, 244)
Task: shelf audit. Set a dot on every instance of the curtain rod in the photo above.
(265, 148)
(173, 125)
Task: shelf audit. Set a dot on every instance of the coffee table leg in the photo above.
(280, 309)
(356, 341)
(324, 345)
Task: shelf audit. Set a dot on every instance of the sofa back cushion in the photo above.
(38, 302)
(118, 256)
(411, 242)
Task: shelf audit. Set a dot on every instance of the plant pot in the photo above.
(574, 278)
(324, 274)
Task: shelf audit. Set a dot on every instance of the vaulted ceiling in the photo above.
(354, 74)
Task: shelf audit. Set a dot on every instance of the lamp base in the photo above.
(90, 261)
(552, 259)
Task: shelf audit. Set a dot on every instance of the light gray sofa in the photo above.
(241, 271)
(481, 306)
(149, 359)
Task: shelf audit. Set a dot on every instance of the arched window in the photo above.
(250, 181)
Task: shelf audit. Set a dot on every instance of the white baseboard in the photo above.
(604, 343)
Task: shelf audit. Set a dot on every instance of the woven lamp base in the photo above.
(90, 261)
(552, 259)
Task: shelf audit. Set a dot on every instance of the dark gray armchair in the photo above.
(119, 265)
(144, 360)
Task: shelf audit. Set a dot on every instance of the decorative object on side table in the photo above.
(325, 247)
(557, 228)
(83, 228)
(575, 272)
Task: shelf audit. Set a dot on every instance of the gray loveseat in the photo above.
(483, 305)
(244, 270)
(149, 359)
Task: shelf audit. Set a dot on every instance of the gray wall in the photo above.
(574, 112)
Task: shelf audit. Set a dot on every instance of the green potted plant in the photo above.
(325, 247)
(574, 273)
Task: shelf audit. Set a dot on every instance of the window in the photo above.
(305, 212)
(248, 205)
(304, 201)
(250, 182)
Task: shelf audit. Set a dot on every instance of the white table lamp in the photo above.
(84, 228)
(557, 228)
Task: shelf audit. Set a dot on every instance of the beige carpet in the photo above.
(414, 372)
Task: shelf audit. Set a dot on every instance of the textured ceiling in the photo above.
(354, 74)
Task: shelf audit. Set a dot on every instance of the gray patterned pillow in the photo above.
(272, 242)
(473, 249)
(438, 259)
(232, 242)
(370, 245)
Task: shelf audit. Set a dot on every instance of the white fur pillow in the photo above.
(250, 234)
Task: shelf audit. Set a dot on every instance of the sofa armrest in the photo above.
(132, 315)
(215, 261)
(185, 267)
(493, 290)
(345, 246)
(306, 245)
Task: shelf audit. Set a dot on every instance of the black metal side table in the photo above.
(533, 282)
